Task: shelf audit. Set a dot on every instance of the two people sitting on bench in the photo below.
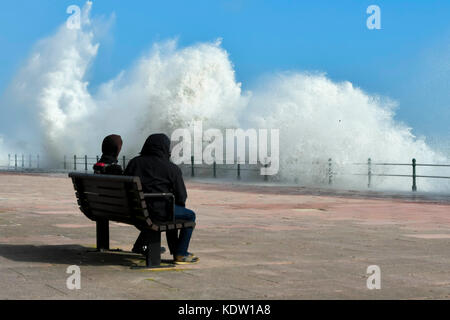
(159, 175)
(109, 163)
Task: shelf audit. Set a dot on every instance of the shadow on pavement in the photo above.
(69, 254)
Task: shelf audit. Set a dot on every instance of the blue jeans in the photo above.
(179, 244)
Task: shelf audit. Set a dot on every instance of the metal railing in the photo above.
(237, 168)
(21, 162)
(413, 174)
(86, 162)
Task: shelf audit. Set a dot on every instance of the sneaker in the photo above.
(188, 259)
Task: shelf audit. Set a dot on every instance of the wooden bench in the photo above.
(104, 198)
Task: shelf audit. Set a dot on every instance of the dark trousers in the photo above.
(178, 240)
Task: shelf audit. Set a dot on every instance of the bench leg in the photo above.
(102, 235)
(153, 257)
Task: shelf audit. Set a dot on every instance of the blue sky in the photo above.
(407, 60)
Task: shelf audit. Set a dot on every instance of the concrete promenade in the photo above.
(254, 242)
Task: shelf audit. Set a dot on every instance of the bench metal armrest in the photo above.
(169, 197)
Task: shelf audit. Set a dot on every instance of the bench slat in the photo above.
(106, 199)
(125, 211)
(113, 200)
(112, 216)
(105, 184)
(103, 177)
(105, 192)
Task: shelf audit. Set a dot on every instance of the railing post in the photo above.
(15, 162)
(214, 169)
(23, 161)
(330, 171)
(75, 163)
(369, 172)
(414, 186)
(124, 162)
(192, 166)
(239, 171)
(30, 161)
(85, 163)
(266, 165)
(38, 164)
(98, 158)
(9, 160)
(65, 163)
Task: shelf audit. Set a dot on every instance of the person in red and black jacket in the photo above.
(109, 163)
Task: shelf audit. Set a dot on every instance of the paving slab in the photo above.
(254, 242)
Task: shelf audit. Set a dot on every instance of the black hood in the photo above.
(157, 145)
(112, 145)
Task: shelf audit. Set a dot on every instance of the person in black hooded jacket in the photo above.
(108, 163)
(159, 175)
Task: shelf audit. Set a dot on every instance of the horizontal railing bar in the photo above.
(219, 168)
(403, 164)
(383, 164)
(432, 165)
(395, 175)
(439, 177)
(391, 175)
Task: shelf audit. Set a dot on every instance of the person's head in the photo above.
(157, 145)
(112, 145)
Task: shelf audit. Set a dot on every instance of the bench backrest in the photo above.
(108, 197)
